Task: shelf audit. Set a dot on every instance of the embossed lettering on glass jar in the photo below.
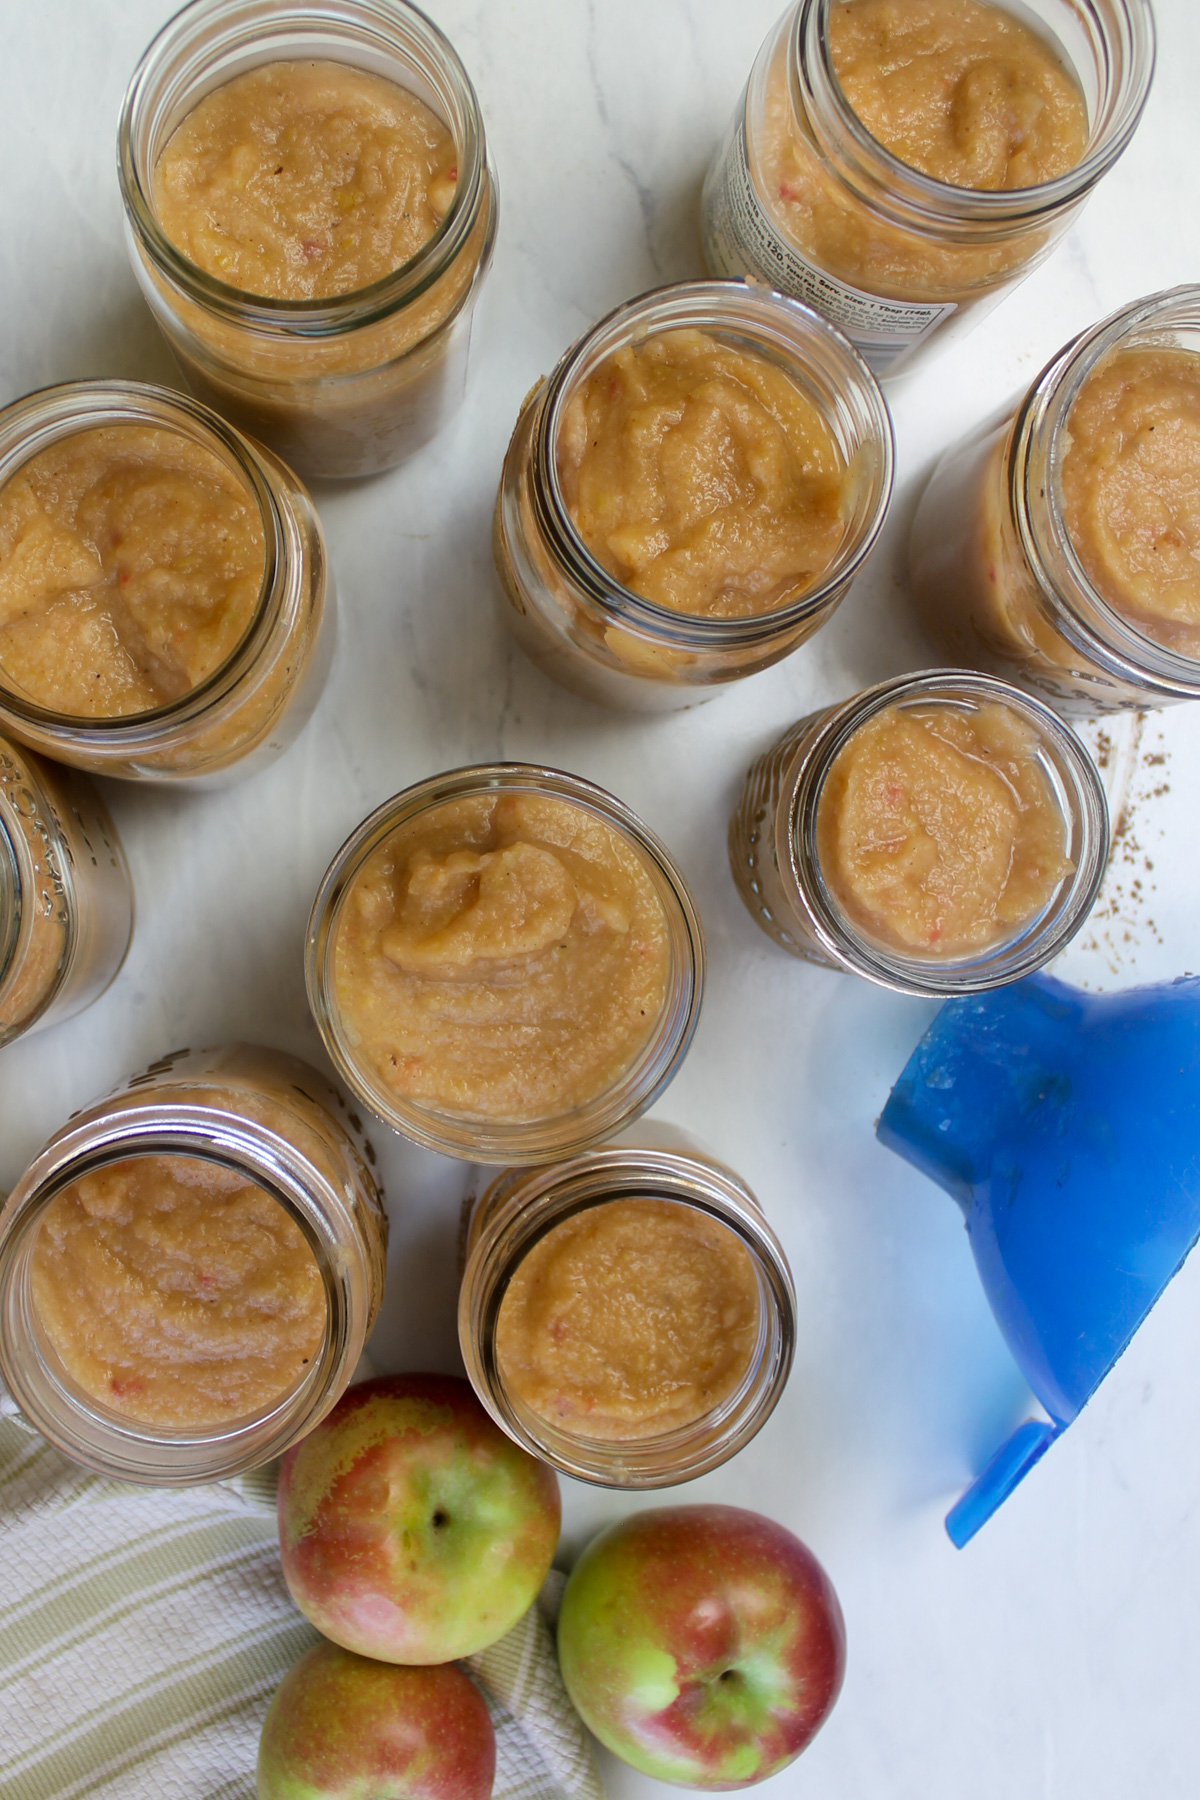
(505, 964)
(348, 384)
(572, 616)
(1025, 792)
(251, 1115)
(801, 195)
(66, 903)
(513, 1219)
(246, 711)
(994, 569)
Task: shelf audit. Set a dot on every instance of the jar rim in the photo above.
(777, 323)
(1096, 628)
(393, 25)
(68, 409)
(477, 1138)
(911, 197)
(75, 1422)
(1079, 795)
(547, 1198)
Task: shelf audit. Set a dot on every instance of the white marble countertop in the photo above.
(1055, 1657)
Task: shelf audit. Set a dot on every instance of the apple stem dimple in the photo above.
(440, 1519)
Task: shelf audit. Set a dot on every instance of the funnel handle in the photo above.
(1011, 1463)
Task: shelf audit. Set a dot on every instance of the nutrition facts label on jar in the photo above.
(742, 240)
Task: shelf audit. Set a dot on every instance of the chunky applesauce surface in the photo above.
(1130, 481)
(177, 1292)
(938, 832)
(632, 1319)
(960, 90)
(131, 564)
(304, 180)
(702, 477)
(503, 956)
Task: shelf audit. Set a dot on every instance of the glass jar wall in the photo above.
(66, 902)
(803, 197)
(505, 964)
(571, 613)
(1106, 620)
(351, 383)
(939, 834)
(587, 1382)
(240, 1118)
(236, 716)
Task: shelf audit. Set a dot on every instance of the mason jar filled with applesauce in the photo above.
(1061, 547)
(190, 1268)
(939, 834)
(689, 495)
(627, 1315)
(66, 901)
(177, 612)
(505, 964)
(333, 322)
(900, 168)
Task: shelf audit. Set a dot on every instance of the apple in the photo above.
(701, 1644)
(341, 1727)
(411, 1529)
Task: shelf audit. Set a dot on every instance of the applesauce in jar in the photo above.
(131, 566)
(502, 956)
(303, 180)
(177, 1292)
(628, 1315)
(937, 830)
(898, 164)
(701, 477)
(311, 232)
(629, 1320)
(960, 90)
(1060, 544)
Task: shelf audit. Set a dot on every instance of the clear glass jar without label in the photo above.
(573, 618)
(995, 573)
(243, 1112)
(780, 837)
(505, 964)
(517, 1212)
(66, 902)
(351, 384)
(802, 196)
(252, 706)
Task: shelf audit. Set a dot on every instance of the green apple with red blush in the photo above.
(344, 1728)
(411, 1529)
(703, 1645)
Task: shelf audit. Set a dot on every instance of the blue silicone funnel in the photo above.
(1067, 1127)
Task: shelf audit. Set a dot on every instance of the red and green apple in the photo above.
(701, 1644)
(342, 1727)
(410, 1528)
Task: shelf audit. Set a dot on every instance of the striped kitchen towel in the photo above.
(144, 1630)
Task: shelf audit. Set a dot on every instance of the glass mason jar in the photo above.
(252, 707)
(484, 1138)
(518, 1209)
(267, 1117)
(573, 618)
(66, 902)
(802, 196)
(774, 853)
(354, 383)
(993, 569)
